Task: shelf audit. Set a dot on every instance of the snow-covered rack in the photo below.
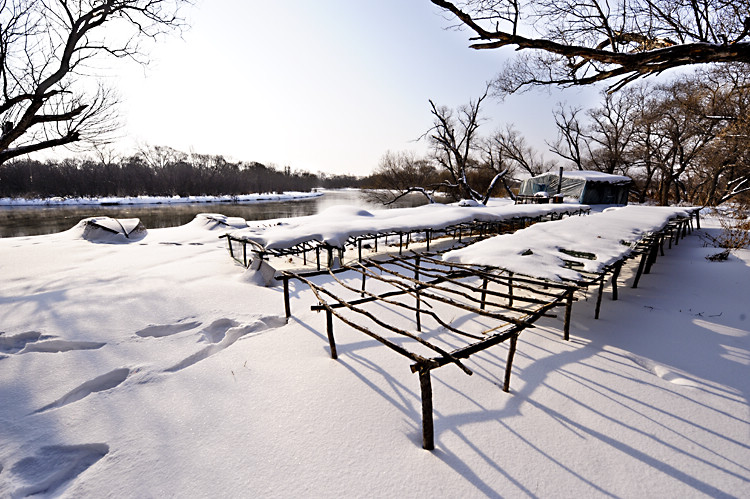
(458, 310)
(470, 299)
(585, 251)
(333, 231)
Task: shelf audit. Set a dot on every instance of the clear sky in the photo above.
(318, 85)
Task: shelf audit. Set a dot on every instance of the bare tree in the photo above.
(610, 132)
(518, 155)
(48, 50)
(570, 143)
(573, 42)
(454, 140)
(401, 173)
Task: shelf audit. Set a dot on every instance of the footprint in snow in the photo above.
(222, 333)
(16, 343)
(33, 341)
(160, 331)
(662, 372)
(53, 466)
(99, 384)
(57, 346)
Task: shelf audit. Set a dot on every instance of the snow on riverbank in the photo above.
(153, 369)
(144, 200)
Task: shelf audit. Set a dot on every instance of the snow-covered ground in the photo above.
(143, 200)
(155, 369)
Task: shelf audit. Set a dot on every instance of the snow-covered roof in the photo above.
(336, 225)
(589, 175)
(595, 176)
(542, 249)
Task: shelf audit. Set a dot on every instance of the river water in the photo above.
(35, 220)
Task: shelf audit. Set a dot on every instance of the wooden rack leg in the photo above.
(329, 330)
(510, 289)
(638, 273)
(599, 297)
(615, 275)
(416, 292)
(287, 309)
(568, 310)
(509, 363)
(652, 253)
(482, 304)
(428, 430)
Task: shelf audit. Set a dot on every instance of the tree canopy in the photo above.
(49, 57)
(580, 42)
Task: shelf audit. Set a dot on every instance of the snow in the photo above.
(154, 369)
(139, 200)
(596, 176)
(543, 249)
(338, 223)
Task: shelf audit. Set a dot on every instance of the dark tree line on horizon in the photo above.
(156, 171)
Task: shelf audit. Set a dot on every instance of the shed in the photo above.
(588, 187)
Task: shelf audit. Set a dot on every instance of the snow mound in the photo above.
(346, 210)
(213, 221)
(109, 230)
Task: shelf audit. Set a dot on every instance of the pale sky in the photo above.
(318, 85)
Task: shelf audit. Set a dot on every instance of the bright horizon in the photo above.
(329, 86)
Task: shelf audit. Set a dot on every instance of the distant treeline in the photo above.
(157, 171)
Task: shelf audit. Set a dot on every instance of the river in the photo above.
(36, 220)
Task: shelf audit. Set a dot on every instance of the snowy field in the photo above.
(155, 369)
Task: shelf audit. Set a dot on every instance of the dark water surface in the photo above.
(35, 220)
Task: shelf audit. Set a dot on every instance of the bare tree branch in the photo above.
(46, 48)
(584, 42)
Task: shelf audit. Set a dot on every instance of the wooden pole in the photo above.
(510, 289)
(641, 264)
(599, 297)
(428, 430)
(484, 294)
(416, 293)
(509, 363)
(568, 310)
(652, 254)
(329, 330)
(615, 275)
(287, 308)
